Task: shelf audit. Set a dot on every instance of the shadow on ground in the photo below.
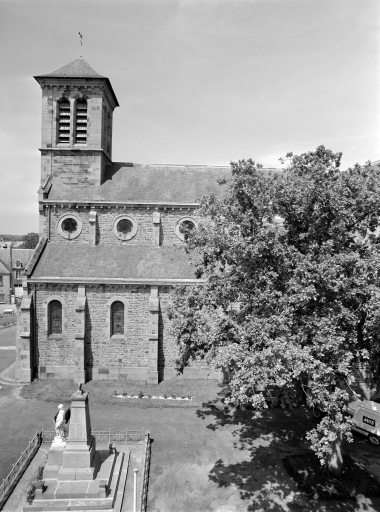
(262, 479)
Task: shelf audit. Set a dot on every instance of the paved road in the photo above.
(8, 337)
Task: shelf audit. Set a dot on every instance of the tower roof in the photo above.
(76, 68)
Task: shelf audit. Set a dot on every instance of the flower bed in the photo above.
(151, 397)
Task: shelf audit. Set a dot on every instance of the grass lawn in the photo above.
(101, 392)
(206, 457)
(7, 357)
(8, 337)
(8, 320)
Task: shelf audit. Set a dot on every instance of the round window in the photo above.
(184, 227)
(69, 226)
(124, 227)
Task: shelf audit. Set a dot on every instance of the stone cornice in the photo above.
(104, 204)
(105, 280)
(76, 149)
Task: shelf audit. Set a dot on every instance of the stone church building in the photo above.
(96, 289)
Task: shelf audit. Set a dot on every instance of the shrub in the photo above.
(141, 394)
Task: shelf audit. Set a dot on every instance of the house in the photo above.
(14, 262)
(5, 283)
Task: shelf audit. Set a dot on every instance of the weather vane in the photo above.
(81, 37)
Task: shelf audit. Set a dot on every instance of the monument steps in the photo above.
(85, 491)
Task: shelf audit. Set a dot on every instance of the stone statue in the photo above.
(59, 421)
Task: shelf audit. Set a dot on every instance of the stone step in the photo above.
(86, 489)
(121, 488)
(135, 462)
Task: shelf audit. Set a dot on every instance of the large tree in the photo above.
(30, 241)
(291, 293)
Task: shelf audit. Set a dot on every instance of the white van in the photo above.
(366, 418)
(8, 312)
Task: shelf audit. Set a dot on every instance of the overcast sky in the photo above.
(198, 82)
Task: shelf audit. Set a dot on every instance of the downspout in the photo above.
(34, 370)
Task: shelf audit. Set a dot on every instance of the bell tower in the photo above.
(77, 112)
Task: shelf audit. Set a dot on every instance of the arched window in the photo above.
(55, 317)
(117, 318)
(64, 121)
(81, 121)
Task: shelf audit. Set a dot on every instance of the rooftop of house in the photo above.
(83, 262)
(23, 255)
(4, 268)
(146, 183)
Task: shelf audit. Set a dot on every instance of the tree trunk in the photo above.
(335, 461)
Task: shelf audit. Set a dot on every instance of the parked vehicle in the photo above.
(8, 312)
(366, 418)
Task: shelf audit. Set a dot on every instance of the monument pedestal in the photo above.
(77, 476)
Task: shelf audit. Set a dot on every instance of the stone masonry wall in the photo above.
(73, 168)
(57, 213)
(56, 350)
(101, 349)
(107, 356)
(96, 99)
(105, 221)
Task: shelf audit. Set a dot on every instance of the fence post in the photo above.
(126, 435)
(109, 436)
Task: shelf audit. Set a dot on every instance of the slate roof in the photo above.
(75, 260)
(77, 68)
(3, 268)
(5, 256)
(147, 183)
(23, 255)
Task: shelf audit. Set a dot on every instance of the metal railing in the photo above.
(145, 482)
(18, 468)
(119, 436)
(106, 436)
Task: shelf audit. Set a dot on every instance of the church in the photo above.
(111, 246)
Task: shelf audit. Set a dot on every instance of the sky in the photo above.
(198, 81)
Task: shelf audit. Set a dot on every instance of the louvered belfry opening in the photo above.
(81, 121)
(64, 121)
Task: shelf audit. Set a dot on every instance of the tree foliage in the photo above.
(291, 293)
(30, 241)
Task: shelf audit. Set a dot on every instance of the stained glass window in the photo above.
(124, 227)
(55, 317)
(117, 318)
(69, 225)
(186, 226)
